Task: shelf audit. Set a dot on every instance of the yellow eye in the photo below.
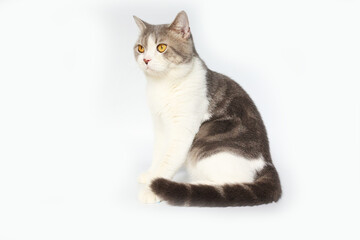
(141, 49)
(161, 47)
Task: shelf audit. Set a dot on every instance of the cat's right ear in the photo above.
(141, 24)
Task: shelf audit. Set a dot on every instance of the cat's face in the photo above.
(161, 48)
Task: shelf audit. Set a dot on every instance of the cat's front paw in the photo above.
(145, 178)
(147, 196)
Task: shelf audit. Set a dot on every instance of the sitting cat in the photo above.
(203, 120)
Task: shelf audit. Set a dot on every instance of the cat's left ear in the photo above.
(141, 24)
(181, 25)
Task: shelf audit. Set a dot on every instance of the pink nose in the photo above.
(147, 60)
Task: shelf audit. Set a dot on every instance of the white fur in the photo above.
(178, 102)
(225, 167)
(147, 196)
(178, 106)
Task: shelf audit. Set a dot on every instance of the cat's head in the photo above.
(161, 48)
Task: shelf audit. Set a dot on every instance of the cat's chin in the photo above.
(153, 73)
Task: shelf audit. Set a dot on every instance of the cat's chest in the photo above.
(186, 98)
(165, 97)
(159, 96)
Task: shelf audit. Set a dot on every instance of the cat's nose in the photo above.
(147, 60)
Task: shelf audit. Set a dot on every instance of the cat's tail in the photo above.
(265, 189)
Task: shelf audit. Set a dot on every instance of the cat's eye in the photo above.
(161, 47)
(141, 49)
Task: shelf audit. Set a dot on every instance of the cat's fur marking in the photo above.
(204, 120)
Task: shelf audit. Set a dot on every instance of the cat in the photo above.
(202, 120)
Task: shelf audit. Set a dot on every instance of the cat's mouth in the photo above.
(153, 70)
(149, 69)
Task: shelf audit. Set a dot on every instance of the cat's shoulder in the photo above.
(218, 83)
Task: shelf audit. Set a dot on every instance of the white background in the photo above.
(75, 131)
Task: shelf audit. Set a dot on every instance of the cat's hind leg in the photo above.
(225, 168)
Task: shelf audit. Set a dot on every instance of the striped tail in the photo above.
(265, 189)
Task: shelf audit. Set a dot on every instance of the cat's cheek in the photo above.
(140, 62)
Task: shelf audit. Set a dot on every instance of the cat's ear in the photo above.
(141, 24)
(181, 25)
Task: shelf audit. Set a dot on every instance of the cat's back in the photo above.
(227, 99)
